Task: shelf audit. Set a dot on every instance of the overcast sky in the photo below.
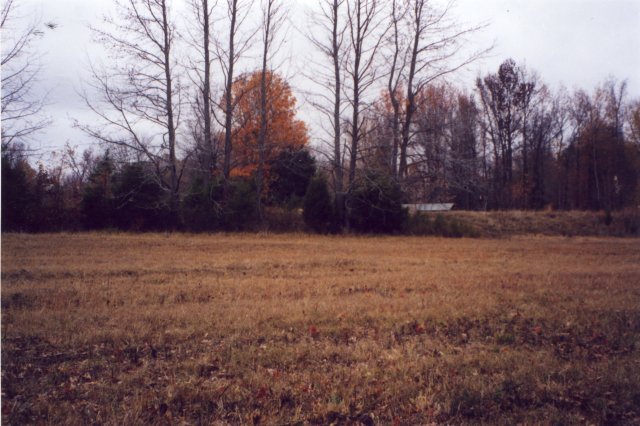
(578, 43)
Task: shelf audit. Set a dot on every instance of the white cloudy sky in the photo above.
(577, 43)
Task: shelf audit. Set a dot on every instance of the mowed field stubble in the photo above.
(295, 329)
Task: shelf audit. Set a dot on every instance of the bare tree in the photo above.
(203, 11)
(365, 20)
(21, 109)
(228, 110)
(633, 122)
(531, 89)
(398, 61)
(228, 52)
(331, 46)
(139, 98)
(502, 96)
(273, 18)
(545, 129)
(600, 166)
(436, 49)
(78, 166)
(517, 121)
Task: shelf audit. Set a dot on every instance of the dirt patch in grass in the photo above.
(294, 329)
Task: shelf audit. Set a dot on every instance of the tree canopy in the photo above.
(284, 131)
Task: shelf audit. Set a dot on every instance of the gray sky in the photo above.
(578, 43)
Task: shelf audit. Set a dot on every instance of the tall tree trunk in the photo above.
(206, 89)
(355, 132)
(228, 97)
(525, 160)
(392, 87)
(338, 169)
(355, 118)
(262, 134)
(411, 90)
(174, 203)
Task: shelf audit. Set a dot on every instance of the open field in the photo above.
(294, 329)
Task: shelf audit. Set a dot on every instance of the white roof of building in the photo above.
(429, 207)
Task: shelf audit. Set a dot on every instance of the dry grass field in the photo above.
(295, 329)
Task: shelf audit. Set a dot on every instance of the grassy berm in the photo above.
(504, 224)
(294, 329)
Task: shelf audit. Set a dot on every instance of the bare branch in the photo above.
(139, 103)
(21, 109)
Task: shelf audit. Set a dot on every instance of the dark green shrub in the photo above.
(202, 205)
(205, 208)
(48, 198)
(140, 204)
(441, 225)
(290, 173)
(18, 198)
(419, 224)
(318, 212)
(97, 200)
(375, 205)
(240, 210)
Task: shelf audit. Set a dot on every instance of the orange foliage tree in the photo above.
(284, 131)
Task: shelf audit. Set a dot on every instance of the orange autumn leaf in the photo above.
(283, 131)
(313, 331)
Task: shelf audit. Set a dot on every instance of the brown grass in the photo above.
(244, 329)
(498, 224)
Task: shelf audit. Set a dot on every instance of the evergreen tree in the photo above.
(291, 173)
(318, 211)
(376, 204)
(97, 200)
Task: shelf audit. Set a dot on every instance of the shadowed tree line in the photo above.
(111, 194)
(195, 133)
(511, 144)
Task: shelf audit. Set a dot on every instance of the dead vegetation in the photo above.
(499, 224)
(247, 329)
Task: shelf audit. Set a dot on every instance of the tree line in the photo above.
(195, 133)
(512, 143)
